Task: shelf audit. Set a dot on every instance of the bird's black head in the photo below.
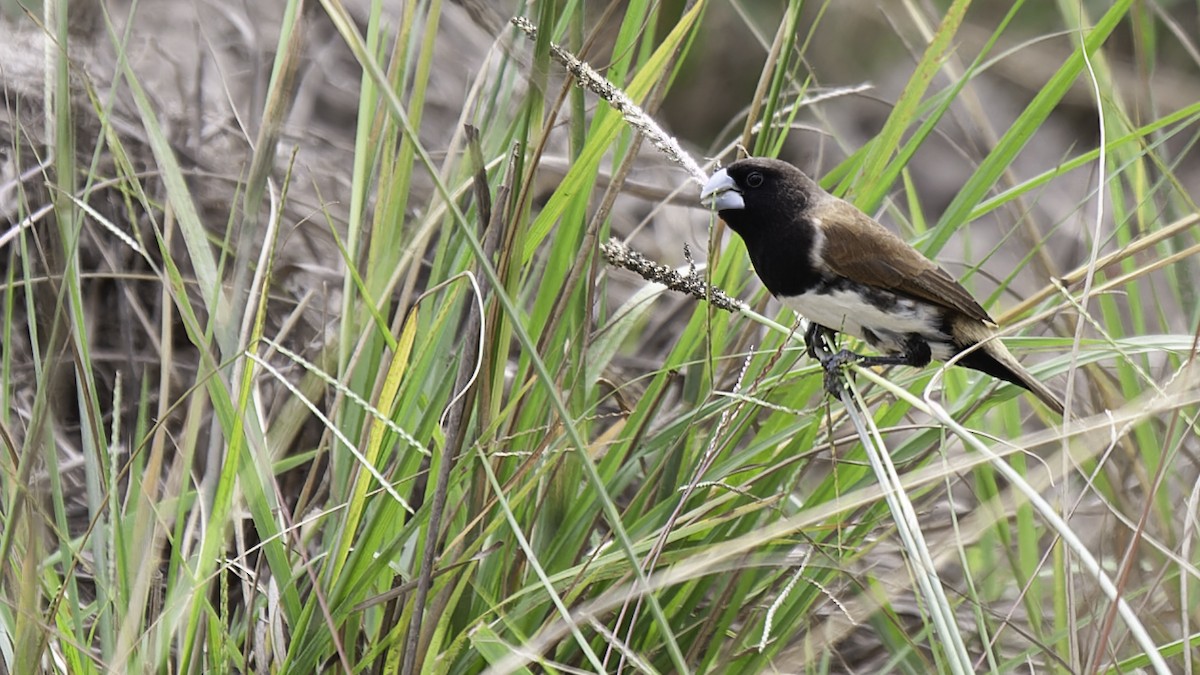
(756, 193)
(773, 206)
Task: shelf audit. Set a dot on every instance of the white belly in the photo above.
(847, 312)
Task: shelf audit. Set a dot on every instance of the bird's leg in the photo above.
(832, 363)
(817, 339)
(916, 354)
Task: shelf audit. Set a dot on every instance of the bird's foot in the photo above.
(833, 364)
(817, 341)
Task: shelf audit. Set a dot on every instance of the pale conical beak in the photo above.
(721, 193)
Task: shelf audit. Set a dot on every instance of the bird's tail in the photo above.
(994, 359)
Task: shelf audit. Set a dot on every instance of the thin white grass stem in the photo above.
(627, 654)
(1094, 253)
(1086, 560)
(532, 559)
(482, 337)
(333, 429)
(1084, 297)
(366, 405)
(1185, 546)
(909, 529)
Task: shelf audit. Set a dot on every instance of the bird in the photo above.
(836, 266)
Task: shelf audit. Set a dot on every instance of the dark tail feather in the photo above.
(1006, 368)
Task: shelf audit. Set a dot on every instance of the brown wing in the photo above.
(861, 249)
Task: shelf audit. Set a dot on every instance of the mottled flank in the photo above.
(883, 319)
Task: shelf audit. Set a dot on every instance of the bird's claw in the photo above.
(816, 342)
(819, 350)
(832, 364)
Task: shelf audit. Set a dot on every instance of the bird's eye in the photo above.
(754, 179)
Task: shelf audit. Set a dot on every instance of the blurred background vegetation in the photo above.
(311, 361)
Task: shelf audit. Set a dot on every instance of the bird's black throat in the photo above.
(780, 250)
